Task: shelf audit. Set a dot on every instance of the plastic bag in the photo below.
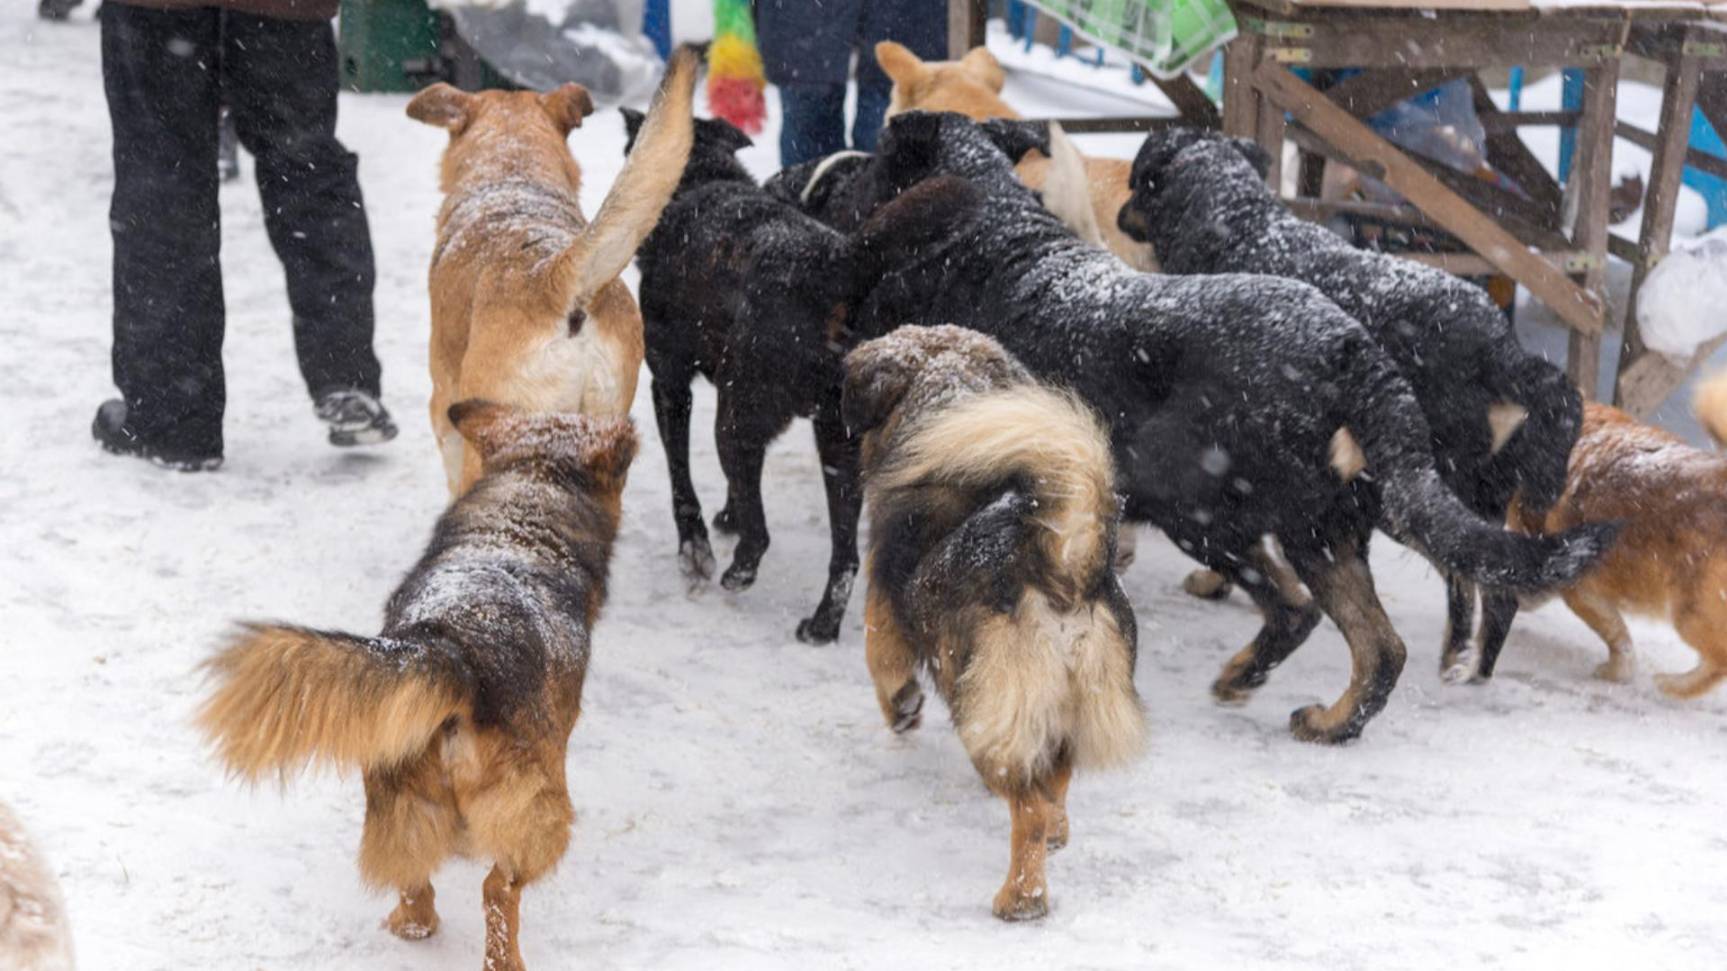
(1683, 303)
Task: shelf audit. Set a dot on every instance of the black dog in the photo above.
(1201, 200)
(751, 293)
(1238, 406)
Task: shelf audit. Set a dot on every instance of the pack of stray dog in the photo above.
(1001, 395)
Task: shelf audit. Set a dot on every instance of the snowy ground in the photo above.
(740, 806)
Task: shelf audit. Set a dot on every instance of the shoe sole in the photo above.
(362, 436)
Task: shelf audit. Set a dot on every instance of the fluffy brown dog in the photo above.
(972, 86)
(33, 932)
(1671, 557)
(527, 309)
(460, 711)
(993, 518)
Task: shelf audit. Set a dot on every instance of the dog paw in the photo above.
(412, 923)
(907, 708)
(1206, 585)
(1236, 685)
(1459, 668)
(818, 630)
(1013, 903)
(1308, 725)
(739, 578)
(1617, 671)
(696, 560)
(725, 522)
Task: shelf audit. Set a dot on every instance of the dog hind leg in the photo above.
(672, 406)
(1707, 635)
(1609, 625)
(1343, 585)
(743, 432)
(411, 826)
(1060, 776)
(1025, 893)
(1498, 609)
(892, 664)
(839, 458)
(502, 897)
(1289, 619)
(1455, 660)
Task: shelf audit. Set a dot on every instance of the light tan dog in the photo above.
(972, 86)
(33, 932)
(1711, 406)
(527, 307)
(1670, 560)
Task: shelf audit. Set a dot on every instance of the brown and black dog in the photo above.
(459, 712)
(527, 307)
(972, 87)
(1670, 560)
(993, 521)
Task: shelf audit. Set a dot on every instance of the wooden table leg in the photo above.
(966, 20)
(1240, 99)
(1641, 385)
(1585, 213)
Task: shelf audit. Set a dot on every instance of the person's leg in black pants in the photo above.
(281, 79)
(167, 355)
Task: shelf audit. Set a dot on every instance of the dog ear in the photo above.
(444, 106)
(632, 127)
(1255, 154)
(567, 106)
(914, 139)
(481, 422)
(899, 63)
(877, 378)
(984, 68)
(723, 133)
(1015, 137)
(608, 446)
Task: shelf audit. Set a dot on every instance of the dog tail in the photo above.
(1710, 406)
(288, 696)
(1046, 440)
(1386, 436)
(1534, 428)
(649, 177)
(902, 229)
(34, 935)
(1067, 188)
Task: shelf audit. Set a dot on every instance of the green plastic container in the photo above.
(389, 45)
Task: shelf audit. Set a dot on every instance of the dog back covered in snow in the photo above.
(527, 307)
(993, 522)
(1502, 420)
(459, 712)
(33, 931)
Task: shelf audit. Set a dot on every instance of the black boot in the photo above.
(355, 418)
(115, 435)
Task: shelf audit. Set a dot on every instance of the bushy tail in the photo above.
(1047, 439)
(1536, 454)
(1710, 406)
(1417, 506)
(649, 177)
(286, 697)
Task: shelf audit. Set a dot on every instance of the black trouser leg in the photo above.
(281, 82)
(159, 74)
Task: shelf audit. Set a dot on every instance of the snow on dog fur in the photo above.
(1223, 395)
(1502, 420)
(990, 569)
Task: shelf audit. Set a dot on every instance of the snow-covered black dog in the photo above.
(1238, 406)
(751, 293)
(1200, 199)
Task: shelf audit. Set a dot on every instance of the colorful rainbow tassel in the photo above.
(735, 76)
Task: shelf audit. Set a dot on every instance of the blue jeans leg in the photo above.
(813, 123)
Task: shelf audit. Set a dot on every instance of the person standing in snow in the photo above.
(166, 67)
(807, 50)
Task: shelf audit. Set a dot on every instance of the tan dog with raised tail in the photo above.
(527, 307)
